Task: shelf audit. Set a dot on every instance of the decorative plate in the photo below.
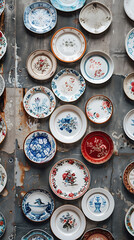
(128, 124)
(129, 220)
(3, 178)
(41, 64)
(2, 85)
(129, 44)
(2, 224)
(2, 6)
(97, 147)
(40, 147)
(3, 129)
(39, 102)
(68, 5)
(97, 234)
(68, 124)
(69, 179)
(97, 67)
(68, 44)
(98, 204)
(128, 7)
(68, 85)
(95, 17)
(128, 177)
(37, 205)
(99, 109)
(68, 222)
(40, 17)
(3, 45)
(37, 234)
(128, 86)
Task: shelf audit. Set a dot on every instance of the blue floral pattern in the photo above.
(68, 123)
(130, 44)
(2, 224)
(37, 235)
(59, 4)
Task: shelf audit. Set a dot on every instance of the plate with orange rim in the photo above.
(68, 44)
(97, 233)
(128, 177)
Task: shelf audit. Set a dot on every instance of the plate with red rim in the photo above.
(69, 179)
(97, 147)
(128, 86)
(128, 177)
(97, 234)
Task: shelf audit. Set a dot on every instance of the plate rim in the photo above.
(98, 229)
(5, 223)
(132, 207)
(127, 12)
(124, 123)
(125, 81)
(69, 10)
(132, 30)
(3, 83)
(3, 7)
(4, 170)
(3, 118)
(34, 230)
(125, 177)
(3, 35)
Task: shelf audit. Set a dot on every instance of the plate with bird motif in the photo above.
(37, 205)
(2, 6)
(2, 224)
(3, 178)
(128, 177)
(37, 234)
(68, 5)
(129, 220)
(3, 129)
(97, 234)
(128, 124)
(3, 45)
(129, 7)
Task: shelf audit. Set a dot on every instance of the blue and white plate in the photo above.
(68, 5)
(130, 44)
(68, 85)
(37, 205)
(37, 234)
(40, 146)
(2, 6)
(129, 220)
(2, 224)
(40, 17)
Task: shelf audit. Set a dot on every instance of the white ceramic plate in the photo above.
(3, 45)
(129, 220)
(68, 124)
(2, 85)
(97, 67)
(41, 64)
(68, 222)
(3, 129)
(67, 5)
(95, 17)
(129, 8)
(2, 6)
(128, 86)
(128, 124)
(129, 44)
(3, 178)
(37, 234)
(98, 204)
(68, 44)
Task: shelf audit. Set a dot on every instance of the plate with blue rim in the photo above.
(2, 224)
(37, 205)
(2, 6)
(129, 44)
(68, 5)
(39, 147)
(40, 17)
(97, 67)
(68, 85)
(37, 234)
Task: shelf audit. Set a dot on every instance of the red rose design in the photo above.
(1, 223)
(64, 175)
(70, 161)
(86, 179)
(71, 195)
(59, 191)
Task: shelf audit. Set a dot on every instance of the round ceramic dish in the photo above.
(3, 129)
(2, 224)
(97, 147)
(39, 102)
(40, 17)
(68, 85)
(95, 17)
(129, 221)
(98, 204)
(68, 5)
(128, 7)
(41, 64)
(68, 222)
(2, 85)
(37, 234)
(99, 109)
(40, 147)
(68, 44)
(128, 86)
(97, 67)
(69, 179)
(37, 205)
(128, 177)
(128, 124)
(3, 45)
(3, 178)
(2, 6)
(129, 44)
(97, 234)
(68, 124)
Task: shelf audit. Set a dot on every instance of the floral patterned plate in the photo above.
(37, 205)
(128, 124)
(128, 86)
(68, 44)
(37, 234)
(40, 17)
(2, 6)
(129, 44)
(128, 7)
(95, 17)
(128, 177)
(2, 85)
(99, 109)
(3, 178)
(98, 204)
(68, 5)
(68, 85)
(2, 224)
(68, 124)
(97, 147)
(39, 102)
(68, 222)
(3, 45)
(69, 179)
(41, 64)
(97, 234)
(40, 147)
(3, 129)
(97, 67)
(129, 220)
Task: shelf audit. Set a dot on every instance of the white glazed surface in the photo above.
(129, 8)
(129, 86)
(128, 124)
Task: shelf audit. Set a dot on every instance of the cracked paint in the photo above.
(20, 172)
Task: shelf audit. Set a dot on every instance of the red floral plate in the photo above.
(69, 179)
(97, 147)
